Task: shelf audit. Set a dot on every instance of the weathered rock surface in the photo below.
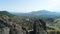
(39, 27)
(7, 27)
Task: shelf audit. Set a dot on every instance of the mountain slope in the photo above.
(6, 13)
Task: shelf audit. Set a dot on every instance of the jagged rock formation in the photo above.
(39, 27)
(7, 27)
(11, 29)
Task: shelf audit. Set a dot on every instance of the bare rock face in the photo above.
(7, 27)
(12, 30)
(16, 29)
(39, 27)
(41, 31)
(4, 30)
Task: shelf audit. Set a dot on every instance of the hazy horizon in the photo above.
(29, 5)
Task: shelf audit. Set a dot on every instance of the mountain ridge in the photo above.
(6, 13)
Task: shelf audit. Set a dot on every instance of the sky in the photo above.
(29, 5)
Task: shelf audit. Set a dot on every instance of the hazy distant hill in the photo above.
(42, 14)
(38, 13)
(6, 13)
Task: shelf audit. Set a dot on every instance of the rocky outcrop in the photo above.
(39, 27)
(6, 28)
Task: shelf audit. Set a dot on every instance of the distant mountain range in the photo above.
(38, 13)
(33, 13)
